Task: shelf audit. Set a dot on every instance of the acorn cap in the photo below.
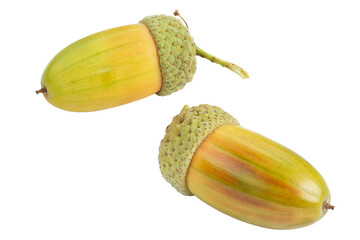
(183, 136)
(176, 51)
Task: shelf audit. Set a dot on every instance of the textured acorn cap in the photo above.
(183, 136)
(176, 51)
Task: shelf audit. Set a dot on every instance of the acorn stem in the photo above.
(223, 63)
(42, 90)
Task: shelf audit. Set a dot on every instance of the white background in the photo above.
(95, 175)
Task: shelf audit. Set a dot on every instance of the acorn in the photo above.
(206, 153)
(124, 64)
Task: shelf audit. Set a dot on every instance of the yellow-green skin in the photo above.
(176, 51)
(243, 174)
(121, 65)
(183, 136)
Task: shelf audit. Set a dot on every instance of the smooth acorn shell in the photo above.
(104, 70)
(206, 153)
(121, 65)
(125, 64)
(256, 180)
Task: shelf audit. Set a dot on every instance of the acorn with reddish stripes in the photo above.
(205, 152)
(124, 64)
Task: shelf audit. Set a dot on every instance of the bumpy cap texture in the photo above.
(176, 51)
(183, 136)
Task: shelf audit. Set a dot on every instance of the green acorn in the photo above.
(206, 153)
(124, 64)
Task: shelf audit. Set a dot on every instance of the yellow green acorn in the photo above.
(124, 64)
(206, 153)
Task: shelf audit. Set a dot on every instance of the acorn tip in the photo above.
(329, 206)
(42, 90)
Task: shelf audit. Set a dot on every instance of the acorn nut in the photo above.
(206, 153)
(124, 64)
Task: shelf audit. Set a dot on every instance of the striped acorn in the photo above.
(124, 64)
(206, 153)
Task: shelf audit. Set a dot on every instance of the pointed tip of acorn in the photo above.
(42, 90)
(328, 206)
